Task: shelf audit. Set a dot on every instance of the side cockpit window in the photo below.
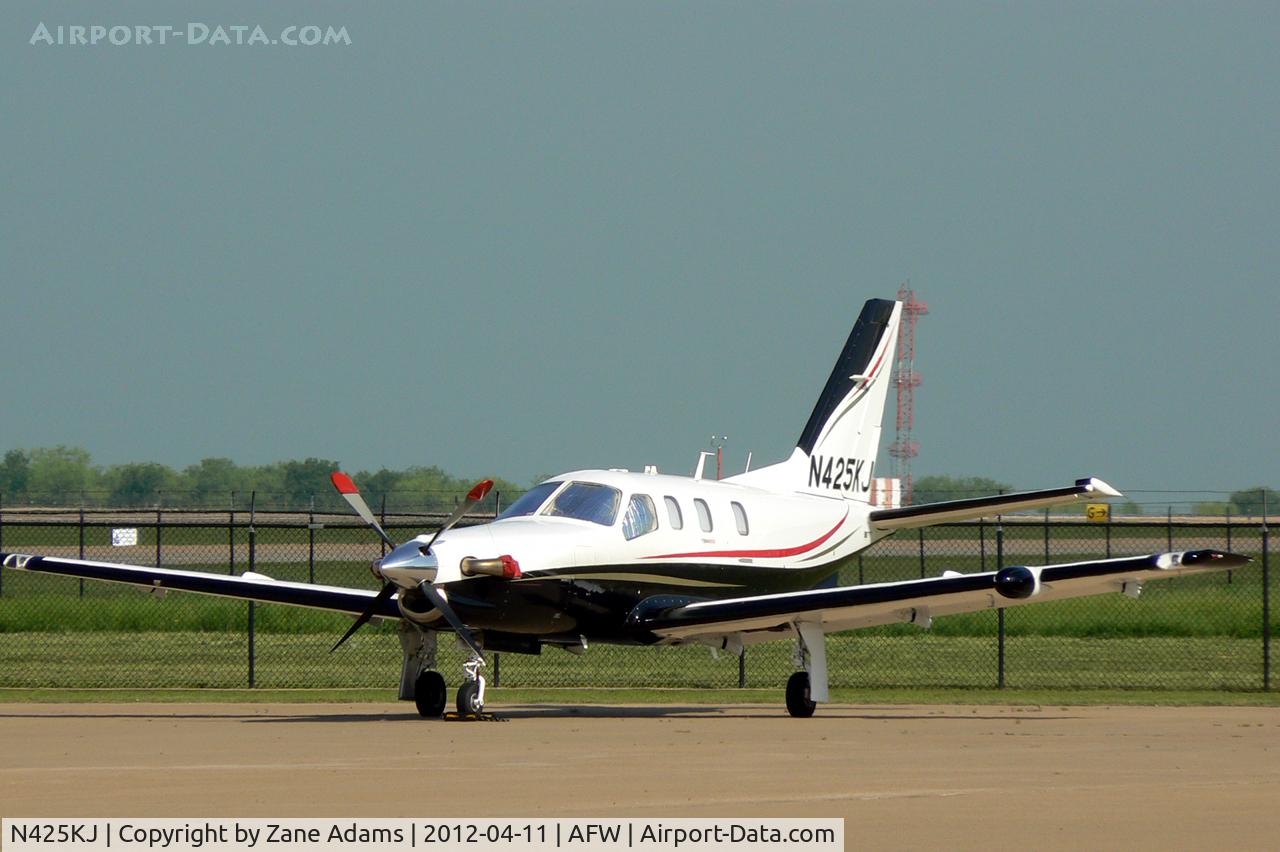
(640, 518)
(587, 501)
(740, 517)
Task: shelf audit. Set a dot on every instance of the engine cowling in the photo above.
(416, 607)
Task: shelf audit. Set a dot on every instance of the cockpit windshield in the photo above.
(530, 501)
(587, 501)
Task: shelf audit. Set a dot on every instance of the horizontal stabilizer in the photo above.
(909, 517)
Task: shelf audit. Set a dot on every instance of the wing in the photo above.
(253, 587)
(764, 617)
(978, 507)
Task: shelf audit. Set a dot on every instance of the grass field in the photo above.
(571, 696)
(1191, 633)
(1205, 605)
(922, 660)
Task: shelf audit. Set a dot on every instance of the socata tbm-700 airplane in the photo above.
(641, 559)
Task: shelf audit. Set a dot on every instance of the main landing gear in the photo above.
(430, 695)
(799, 704)
(805, 689)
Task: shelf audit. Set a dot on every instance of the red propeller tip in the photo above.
(343, 483)
(479, 492)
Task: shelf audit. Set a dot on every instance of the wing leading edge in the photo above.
(254, 587)
(918, 601)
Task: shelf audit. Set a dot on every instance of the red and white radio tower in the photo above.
(907, 380)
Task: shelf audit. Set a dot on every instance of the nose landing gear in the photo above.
(471, 694)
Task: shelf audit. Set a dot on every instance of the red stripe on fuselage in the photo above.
(760, 554)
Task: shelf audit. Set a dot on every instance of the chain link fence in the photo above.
(1200, 632)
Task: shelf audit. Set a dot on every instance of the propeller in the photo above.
(347, 488)
(474, 496)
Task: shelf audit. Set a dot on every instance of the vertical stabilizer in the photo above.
(836, 453)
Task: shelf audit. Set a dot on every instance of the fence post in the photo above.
(311, 541)
(1266, 599)
(921, 553)
(1108, 535)
(1169, 529)
(1229, 573)
(742, 668)
(860, 580)
(1046, 535)
(253, 547)
(82, 539)
(231, 536)
(1000, 611)
(497, 503)
(497, 668)
(383, 521)
(159, 521)
(982, 543)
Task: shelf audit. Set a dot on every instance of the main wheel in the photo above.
(469, 698)
(430, 695)
(799, 704)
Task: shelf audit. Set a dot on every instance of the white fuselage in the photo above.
(702, 535)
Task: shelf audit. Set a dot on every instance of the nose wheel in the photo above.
(470, 700)
(471, 694)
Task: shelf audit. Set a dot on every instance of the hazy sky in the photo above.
(522, 238)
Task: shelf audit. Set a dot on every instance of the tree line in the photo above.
(1246, 501)
(66, 476)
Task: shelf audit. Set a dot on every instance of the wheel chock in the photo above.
(454, 716)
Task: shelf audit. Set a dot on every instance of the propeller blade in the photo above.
(388, 589)
(474, 496)
(439, 602)
(347, 488)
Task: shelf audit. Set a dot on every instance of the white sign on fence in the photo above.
(124, 537)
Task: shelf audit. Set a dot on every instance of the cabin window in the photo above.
(673, 513)
(531, 501)
(640, 518)
(704, 514)
(587, 501)
(740, 516)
